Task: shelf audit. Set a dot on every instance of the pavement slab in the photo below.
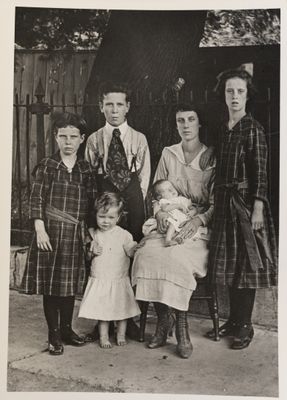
(213, 367)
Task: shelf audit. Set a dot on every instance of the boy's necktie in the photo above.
(117, 164)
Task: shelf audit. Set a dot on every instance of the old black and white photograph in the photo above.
(141, 167)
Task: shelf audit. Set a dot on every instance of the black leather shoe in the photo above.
(184, 351)
(133, 331)
(71, 338)
(55, 346)
(156, 342)
(243, 337)
(229, 328)
(92, 336)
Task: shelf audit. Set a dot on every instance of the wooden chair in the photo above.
(210, 294)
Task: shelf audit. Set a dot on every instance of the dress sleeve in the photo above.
(40, 188)
(129, 244)
(91, 150)
(257, 153)
(92, 193)
(161, 170)
(206, 217)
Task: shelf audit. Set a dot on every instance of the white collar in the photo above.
(177, 150)
(123, 129)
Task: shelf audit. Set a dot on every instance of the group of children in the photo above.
(94, 209)
(77, 207)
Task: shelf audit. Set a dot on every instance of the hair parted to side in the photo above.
(114, 87)
(234, 73)
(107, 200)
(64, 119)
(181, 107)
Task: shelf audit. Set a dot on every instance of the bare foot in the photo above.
(105, 343)
(121, 340)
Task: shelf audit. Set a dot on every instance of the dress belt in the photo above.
(54, 214)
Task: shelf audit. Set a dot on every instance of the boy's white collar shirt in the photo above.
(122, 128)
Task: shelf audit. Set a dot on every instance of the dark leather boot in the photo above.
(184, 347)
(55, 346)
(162, 327)
(70, 337)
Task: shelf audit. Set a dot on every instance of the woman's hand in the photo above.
(257, 218)
(193, 226)
(42, 238)
(162, 222)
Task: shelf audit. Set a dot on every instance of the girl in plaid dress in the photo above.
(61, 192)
(242, 249)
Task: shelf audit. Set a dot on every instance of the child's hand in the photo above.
(183, 208)
(130, 252)
(96, 249)
(42, 238)
(191, 212)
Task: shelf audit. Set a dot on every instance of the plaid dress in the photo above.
(60, 272)
(238, 256)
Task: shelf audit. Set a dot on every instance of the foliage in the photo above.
(241, 27)
(56, 28)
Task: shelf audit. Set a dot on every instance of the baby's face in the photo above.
(167, 191)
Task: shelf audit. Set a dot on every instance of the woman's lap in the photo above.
(163, 273)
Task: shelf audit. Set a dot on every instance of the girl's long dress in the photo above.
(238, 256)
(109, 295)
(168, 274)
(62, 271)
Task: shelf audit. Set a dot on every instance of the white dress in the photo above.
(109, 295)
(177, 217)
(168, 274)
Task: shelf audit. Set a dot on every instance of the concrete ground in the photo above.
(212, 369)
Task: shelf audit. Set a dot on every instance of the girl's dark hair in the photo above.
(114, 87)
(189, 107)
(107, 200)
(234, 73)
(64, 119)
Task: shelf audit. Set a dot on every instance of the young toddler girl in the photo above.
(109, 295)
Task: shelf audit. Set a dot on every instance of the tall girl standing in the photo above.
(62, 192)
(243, 249)
(109, 295)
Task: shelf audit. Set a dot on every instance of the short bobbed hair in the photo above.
(63, 119)
(181, 107)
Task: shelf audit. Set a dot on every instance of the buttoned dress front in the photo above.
(62, 271)
(241, 177)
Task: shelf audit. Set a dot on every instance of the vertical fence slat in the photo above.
(52, 110)
(18, 162)
(63, 102)
(270, 186)
(28, 143)
(75, 103)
